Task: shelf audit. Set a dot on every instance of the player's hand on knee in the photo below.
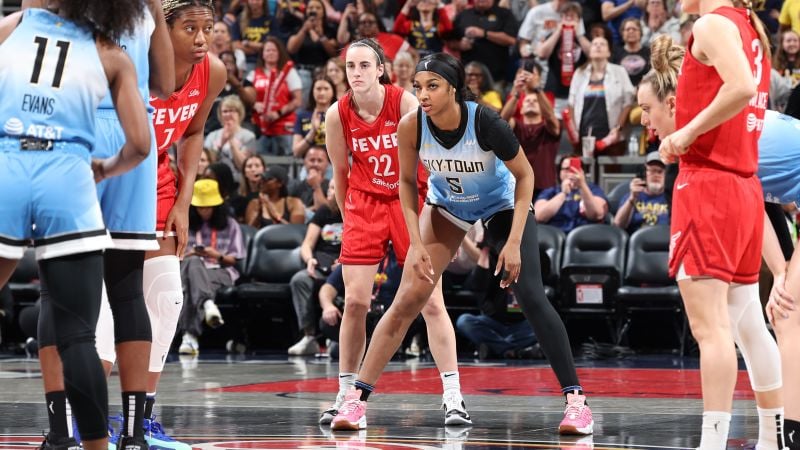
(780, 301)
(509, 262)
(178, 219)
(421, 263)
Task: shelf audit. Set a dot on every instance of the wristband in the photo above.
(220, 258)
(485, 33)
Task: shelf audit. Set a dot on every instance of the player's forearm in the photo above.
(523, 191)
(771, 249)
(189, 150)
(409, 201)
(729, 101)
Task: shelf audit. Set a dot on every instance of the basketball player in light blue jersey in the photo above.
(128, 206)
(477, 171)
(65, 61)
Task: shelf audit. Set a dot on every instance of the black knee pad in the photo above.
(123, 276)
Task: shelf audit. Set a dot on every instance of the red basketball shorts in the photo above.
(371, 221)
(166, 191)
(717, 226)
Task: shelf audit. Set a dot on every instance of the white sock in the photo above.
(346, 381)
(450, 381)
(715, 430)
(768, 421)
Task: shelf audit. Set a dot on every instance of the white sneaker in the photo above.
(455, 410)
(213, 316)
(189, 345)
(305, 346)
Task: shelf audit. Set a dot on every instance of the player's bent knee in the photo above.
(163, 295)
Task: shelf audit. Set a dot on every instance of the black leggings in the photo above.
(72, 287)
(529, 291)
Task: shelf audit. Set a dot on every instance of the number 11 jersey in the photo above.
(52, 80)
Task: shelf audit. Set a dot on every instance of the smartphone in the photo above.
(575, 163)
(199, 248)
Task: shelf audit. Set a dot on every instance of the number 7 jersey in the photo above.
(51, 80)
(171, 117)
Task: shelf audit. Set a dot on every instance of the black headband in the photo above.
(440, 68)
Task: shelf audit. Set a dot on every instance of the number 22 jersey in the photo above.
(375, 168)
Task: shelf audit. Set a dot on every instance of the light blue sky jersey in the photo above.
(137, 47)
(56, 80)
(779, 158)
(468, 181)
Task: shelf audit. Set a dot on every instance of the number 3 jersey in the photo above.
(467, 180)
(375, 168)
(171, 118)
(733, 145)
(56, 80)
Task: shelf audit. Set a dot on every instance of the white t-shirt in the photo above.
(542, 20)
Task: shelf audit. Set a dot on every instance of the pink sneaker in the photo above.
(577, 416)
(352, 414)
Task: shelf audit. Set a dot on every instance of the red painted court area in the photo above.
(522, 381)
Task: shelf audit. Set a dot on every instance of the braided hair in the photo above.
(173, 8)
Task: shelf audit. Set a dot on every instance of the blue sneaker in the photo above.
(158, 440)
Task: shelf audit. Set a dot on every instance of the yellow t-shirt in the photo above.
(790, 14)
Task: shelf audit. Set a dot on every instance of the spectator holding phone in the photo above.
(574, 202)
(320, 252)
(312, 43)
(645, 204)
(215, 243)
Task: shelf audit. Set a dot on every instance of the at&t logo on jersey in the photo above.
(13, 127)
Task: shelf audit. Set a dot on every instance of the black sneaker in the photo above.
(132, 443)
(54, 443)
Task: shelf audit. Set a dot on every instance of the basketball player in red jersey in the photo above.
(180, 119)
(715, 247)
(363, 124)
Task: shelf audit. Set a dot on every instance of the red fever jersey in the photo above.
(732, 146)
(375, 168)
(171, 118)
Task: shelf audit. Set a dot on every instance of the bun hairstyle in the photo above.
(108, 19)
(666, 58)
(380, 57)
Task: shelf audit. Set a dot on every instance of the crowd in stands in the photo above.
(558, 71)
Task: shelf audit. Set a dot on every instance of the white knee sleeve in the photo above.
(163, 295)
(104, 334)
(759, 349)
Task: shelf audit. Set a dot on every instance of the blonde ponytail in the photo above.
(766, 44)
(666, 58)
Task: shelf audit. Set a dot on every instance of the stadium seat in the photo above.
(593, 264)
(615, 195)
(647, 287)
(551, 246)
(263, 303)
